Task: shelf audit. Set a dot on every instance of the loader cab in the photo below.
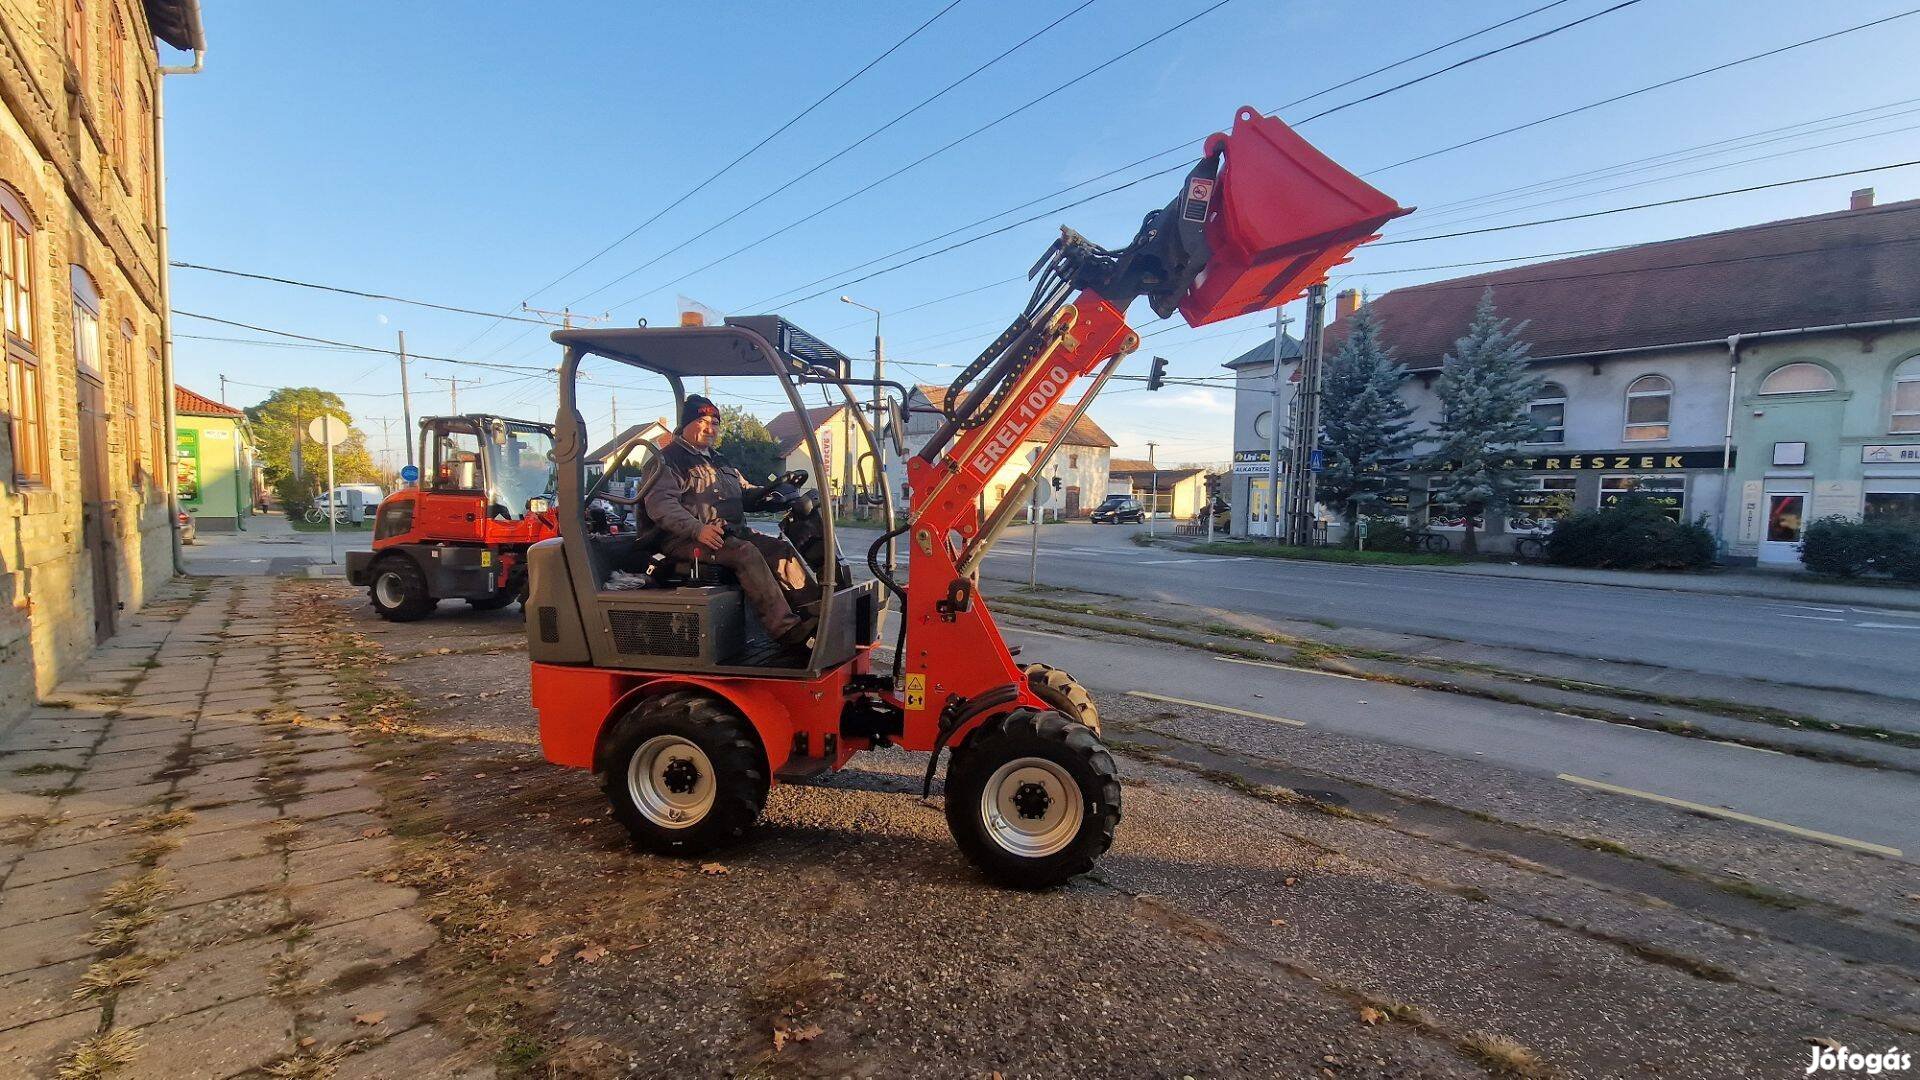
(609, 597)
(505, 464)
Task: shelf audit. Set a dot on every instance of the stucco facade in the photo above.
(213, 463)
(1081, 463)
(85, 526)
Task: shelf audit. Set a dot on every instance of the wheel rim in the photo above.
(1031, 807)
(671, 782)
(389, 589)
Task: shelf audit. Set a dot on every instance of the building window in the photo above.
(117, 93)
(78, 44)
(1668, 493)
(1906, 397)
(1649, 408)
(1541, 501)
(1799, 378)
(1549, 411)
(26, 420)
(86, 324)
(126, 387)
(157, 423)
(1891, 507)
(143, 177)
(1073, 461)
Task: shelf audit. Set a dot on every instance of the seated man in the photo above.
(698, 501)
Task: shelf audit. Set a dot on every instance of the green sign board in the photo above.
(186, 475)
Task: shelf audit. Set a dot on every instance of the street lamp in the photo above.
(879, 372)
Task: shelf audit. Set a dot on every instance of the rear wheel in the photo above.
(684, 773)
(399, 590)
(1033, 798)
(1064, 695)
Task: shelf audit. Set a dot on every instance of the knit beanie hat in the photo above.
(695, 408)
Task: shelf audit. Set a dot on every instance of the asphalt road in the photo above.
(1750, 637)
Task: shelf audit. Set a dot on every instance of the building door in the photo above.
(1073, 502)
(1786, 510)
(96, 511)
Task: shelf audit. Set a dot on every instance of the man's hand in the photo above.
(712, 536)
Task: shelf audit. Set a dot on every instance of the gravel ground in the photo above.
(1229, 932)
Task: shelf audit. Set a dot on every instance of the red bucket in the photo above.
(1284, 215)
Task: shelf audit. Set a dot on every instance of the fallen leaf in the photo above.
(308, 1041)
(1276, 922)
(714, 869)
(373, 831)
(591, 953)
(547, 957)
(370, 1018)
(1370, 1015)
(431, 776)
(1289, 882)
(806, 1034)
(779, 1039)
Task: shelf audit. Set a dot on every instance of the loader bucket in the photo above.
(1284, 215)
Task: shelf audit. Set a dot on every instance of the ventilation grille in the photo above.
(656, 633)
(549, 625)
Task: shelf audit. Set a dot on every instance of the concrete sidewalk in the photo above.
(191, 865)
(270, 546)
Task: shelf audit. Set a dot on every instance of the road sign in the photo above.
(1318, 461)
(410, 474)
(327, 430)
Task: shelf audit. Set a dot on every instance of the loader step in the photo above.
(801, 770)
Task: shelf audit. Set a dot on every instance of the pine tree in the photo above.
(1484, 392)
(1365, 431)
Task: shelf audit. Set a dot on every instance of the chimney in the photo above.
(1862, 199)
(1347, 301)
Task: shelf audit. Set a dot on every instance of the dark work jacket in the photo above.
(694, 488)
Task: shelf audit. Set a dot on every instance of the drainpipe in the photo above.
(1726, 448)
(166, 279)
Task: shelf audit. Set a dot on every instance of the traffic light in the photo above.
(1213, 485)
(1056, 483)
(1157, 374)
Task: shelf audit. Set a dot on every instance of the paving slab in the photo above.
(200, 979)
(213, 1043)
(50, 899)
(43, 993)
(35, 1049)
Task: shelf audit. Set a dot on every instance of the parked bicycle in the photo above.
(1530, 548)
(1433, 543)
(317, 516)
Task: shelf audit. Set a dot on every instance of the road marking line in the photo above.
(1170, 562)
(1216, 708)
(1288, 667)
(1815, 618)
(1886, 611)
(1810, 607)
(1744, 746)
(1734, 815)
(1040, 633)
(1887, 626)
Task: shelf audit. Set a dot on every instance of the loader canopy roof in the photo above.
(745, 345)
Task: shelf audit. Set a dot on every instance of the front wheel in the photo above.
(1063, 694)
(684, 773)
(1033, 798)
(1435, 544)
(399, 590)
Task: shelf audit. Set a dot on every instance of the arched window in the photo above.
(1549, 410)
(1649, 408)
(1801, 378)
(26, 417)
(1906, 397)
(86, 323)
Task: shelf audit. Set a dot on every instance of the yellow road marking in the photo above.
(1735, 815)
(1288, 667)
(1215, 708)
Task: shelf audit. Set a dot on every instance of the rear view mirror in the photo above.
(896, 427)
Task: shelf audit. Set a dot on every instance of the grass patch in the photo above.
(150, 853)
(47, 768)
(161, 821)
(114, 974)
(1262, 550)
(1504, 1056)
(132, 895)
(308, 1066)
(97, 1057)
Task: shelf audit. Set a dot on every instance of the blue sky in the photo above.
(470, 153)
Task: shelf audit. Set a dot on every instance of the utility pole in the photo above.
(616, 414)
(1273, 433)
(1153, 500)
(453, 390)
(223, 389)
(1306, 438)
(879, 373)
(406, 402)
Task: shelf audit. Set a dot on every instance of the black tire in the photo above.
(1435, 544)
(1063, 695)
(1041, 741)
(729, 762)
(399, 590)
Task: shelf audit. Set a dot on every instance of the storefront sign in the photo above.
(187, 467)
(1619, 461)
(1252, 462)
(1907, 453)
(1836, 498)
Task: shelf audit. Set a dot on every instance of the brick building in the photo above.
(85, 516)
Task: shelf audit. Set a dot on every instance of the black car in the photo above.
(1120, 509)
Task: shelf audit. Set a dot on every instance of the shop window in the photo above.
(1797, 379)
(86, 323)
(1668, 493)
(1649, 408)
(26, 418)
(1786, 514)
(1906, 397)
(1549, 411)
(1541, 502)
(1887, 507)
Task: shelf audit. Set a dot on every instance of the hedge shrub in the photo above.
(1847, 548)
(1635, 535)
(1385, 534)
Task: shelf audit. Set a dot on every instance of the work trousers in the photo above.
(771, 573)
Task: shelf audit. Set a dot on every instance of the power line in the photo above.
(1644, 89)
(728, 167)
(349, 345)
(843, 151)
(930, 155)
(1646, 206)
(350, 292)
